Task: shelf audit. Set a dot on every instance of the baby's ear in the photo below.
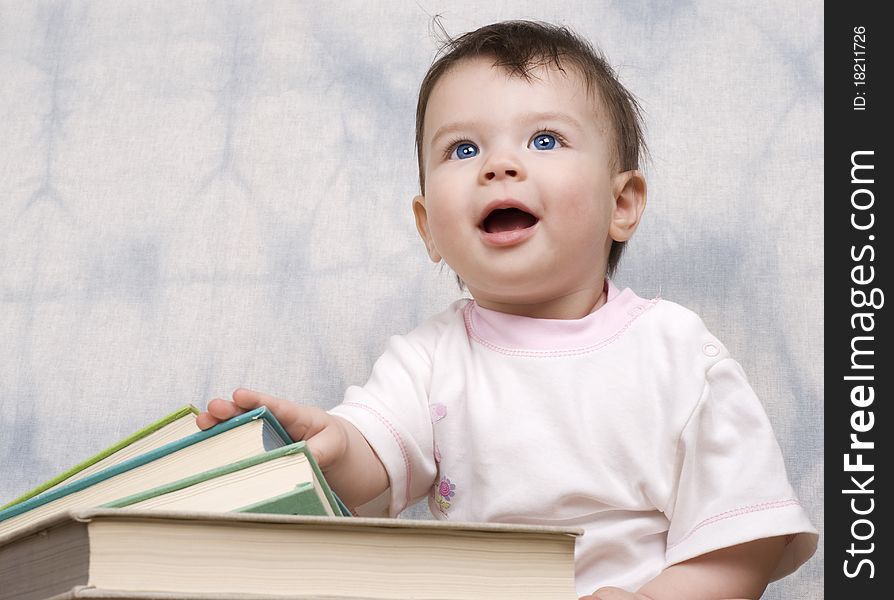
(422, 227)
(629, 192)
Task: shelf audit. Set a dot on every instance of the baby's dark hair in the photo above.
(522, 46)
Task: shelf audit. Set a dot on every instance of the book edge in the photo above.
(239, 465)
(103, 454)
(91, 592)
(91, 514)
(136, 461)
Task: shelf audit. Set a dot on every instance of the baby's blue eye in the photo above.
(545, 141)
(464, 150)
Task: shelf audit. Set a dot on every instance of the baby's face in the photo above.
(519, 190)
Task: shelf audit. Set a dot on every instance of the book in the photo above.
(283, 481)
(241, 437)
(127, 553)
(176, 425)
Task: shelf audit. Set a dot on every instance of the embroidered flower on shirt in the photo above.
(438, 411)
(443, 493)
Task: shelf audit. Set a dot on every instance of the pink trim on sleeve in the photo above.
(737, 512)
(397, 438)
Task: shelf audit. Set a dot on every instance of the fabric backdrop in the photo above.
(196, 196)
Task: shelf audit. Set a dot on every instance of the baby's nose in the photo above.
(507, 172)
(505, 165)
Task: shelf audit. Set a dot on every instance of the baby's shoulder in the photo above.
(680, 330)
(669, 314)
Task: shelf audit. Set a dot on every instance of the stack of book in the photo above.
(246, 464)
(240, 509)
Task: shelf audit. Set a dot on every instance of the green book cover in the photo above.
(108, 452)
(303, 500)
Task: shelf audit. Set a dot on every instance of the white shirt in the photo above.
(632, 423)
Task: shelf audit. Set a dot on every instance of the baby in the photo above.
(552, 396)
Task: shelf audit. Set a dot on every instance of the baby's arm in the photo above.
(741, 571)
(351, 466)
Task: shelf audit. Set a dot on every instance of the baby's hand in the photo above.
(325, 434)
(613, 593)
(351, 466)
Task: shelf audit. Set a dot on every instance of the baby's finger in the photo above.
(613, 593)
(223, 409)
(250, 399)
(205, 420)
(299, 421)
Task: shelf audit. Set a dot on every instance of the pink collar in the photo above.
(512, 334)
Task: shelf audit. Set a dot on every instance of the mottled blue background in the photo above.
(196, 196)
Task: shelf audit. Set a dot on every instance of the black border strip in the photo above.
(858, 231)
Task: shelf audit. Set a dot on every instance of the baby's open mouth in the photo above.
(507, 219)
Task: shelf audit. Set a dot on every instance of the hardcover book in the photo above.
(284, 481)
(178, 424)
(239, 438)
(126, 553)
